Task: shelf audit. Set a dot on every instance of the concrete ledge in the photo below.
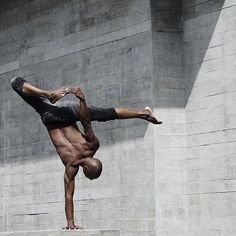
(92, 232)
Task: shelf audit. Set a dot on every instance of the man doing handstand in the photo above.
(74, 147)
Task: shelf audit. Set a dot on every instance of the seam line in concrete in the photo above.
(83, 45)
(14, 65)
(98, 41)
(210, 12)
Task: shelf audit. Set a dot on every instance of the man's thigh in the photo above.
(59, 117)
(38, 103)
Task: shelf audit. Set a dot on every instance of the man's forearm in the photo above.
(84, 114)
(69, 192)
(84, 111)
(69, 210)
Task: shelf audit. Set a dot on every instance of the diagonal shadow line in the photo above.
(200, 21)
(182, 33)
(128, 130)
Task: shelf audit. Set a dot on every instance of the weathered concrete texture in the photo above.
(62, 233)
(105, 47)
(177, 56)
(169, 139)
(194, 86)
(210, 55)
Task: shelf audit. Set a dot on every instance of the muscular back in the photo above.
(71, 144)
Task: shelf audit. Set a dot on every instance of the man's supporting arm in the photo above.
(69, 184)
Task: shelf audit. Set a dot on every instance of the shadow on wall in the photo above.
(170, 89)
(179, 46)
(25, 141)
(24, 137)
(167, 33)
(198, 33)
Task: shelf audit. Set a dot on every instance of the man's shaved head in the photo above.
(92, 168)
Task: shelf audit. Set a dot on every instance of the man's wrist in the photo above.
(82, 99)
(70, 90)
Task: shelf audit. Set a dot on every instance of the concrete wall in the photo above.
(105, 47)
(95, 232)
(168, 98)
(176, 56)
(209, 40)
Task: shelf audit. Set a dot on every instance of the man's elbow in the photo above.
(87, 127)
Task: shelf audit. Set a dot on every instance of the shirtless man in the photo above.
(76, 149)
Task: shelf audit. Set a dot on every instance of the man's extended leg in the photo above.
(145, 114)
(67, 113)
(107, 114)
(37, 98)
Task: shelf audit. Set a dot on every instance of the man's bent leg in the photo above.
(37, 102)
(27, 89)
(52, 115)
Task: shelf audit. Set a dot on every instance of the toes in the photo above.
(151, 117)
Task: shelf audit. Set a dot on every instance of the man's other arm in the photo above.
(84, 115)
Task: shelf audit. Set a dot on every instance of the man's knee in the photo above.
(102, 114)
(17, 83)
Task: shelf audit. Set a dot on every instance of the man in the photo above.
(74, 147)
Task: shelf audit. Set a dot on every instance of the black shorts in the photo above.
(61, 114)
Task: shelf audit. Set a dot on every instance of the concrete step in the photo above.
(92, 232)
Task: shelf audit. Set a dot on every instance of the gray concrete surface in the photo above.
(209, 38)
(168, 100)
(176, 56)
(105, 47)
(62, 233)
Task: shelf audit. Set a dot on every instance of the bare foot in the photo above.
(149, 116)
(57, 94)
(73, 227)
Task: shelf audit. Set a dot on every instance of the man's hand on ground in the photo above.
(73, 227)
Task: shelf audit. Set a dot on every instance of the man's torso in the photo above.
(71, 144)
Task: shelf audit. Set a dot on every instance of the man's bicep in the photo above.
(70, 173)
(88, 133)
